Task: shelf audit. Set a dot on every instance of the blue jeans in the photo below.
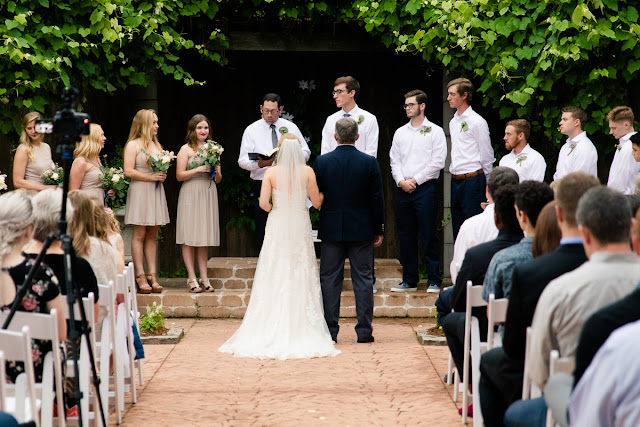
(466, 196)
(526, 413)
(416, 212)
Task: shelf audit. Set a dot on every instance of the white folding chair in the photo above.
(43, 326)
(136, 316)
(474, 299)
(497, 314)
(529, 390)
(124, 342)
(20, 400)
(558, 365)
(106, 349)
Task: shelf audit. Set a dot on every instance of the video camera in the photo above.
(67, 123)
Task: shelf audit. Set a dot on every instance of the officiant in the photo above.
(261, 137)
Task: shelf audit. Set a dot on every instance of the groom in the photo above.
(351, 225)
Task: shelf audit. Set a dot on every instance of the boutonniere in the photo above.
(360, 119)
(520, 160)
(283, 130)
(425, 130)
(618, 146)
(465, 127)
(573, 146)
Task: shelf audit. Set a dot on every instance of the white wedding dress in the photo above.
(285, 317)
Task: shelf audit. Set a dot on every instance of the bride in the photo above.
(285, 318)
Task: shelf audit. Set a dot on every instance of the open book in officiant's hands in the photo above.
(260, 156)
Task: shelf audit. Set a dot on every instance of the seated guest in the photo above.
(547, 235)
(474, 268)
(634, 204)
(612, 272)
(107, 225)
(46, 212)
(609, 391)
(87, 243)
(502, 368)
(481, 228)
(42, 296)
(531, 196)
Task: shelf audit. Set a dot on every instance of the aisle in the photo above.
(390, 382)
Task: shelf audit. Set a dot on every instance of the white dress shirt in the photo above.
(418, 153)
(624, 168)
(529, 164)
(367, 130)
(584, 157)
(478, 229)
(257, 139)
(609, 391)
(470, 143)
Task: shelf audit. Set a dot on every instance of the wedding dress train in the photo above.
(285, 317)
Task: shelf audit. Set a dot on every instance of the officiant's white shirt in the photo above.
(257, 139)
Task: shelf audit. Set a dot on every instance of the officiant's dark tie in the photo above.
(274, 137)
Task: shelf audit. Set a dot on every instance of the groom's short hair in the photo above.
(346, 131)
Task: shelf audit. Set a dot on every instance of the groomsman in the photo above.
(262, 136)
(527, 162)
(471, 154)
(624, 168)
(418, 152)
(578, 153)
(345, 93)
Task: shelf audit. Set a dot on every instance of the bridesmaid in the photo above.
(197, 225)
(85, 171)
(33, 157)
(146, 205)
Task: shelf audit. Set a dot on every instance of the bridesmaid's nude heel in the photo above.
(142, 284)
(208, 287)
(155, 286)
(193, 286)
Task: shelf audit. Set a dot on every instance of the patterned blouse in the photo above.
(43, 289)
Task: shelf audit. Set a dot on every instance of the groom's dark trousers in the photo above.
(352, 214)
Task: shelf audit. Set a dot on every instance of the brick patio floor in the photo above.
(394, 381)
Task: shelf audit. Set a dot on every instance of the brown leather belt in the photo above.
(467, 175)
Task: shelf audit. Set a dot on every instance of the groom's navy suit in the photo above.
(352, 214)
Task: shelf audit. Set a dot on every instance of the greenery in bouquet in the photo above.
(3, 184)
(208, 154)
(114, 179)
(161, 161)
(53, 176)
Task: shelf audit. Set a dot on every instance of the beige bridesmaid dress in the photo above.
(197, 223)
(91, 183)
(146, 204)
(41, 163)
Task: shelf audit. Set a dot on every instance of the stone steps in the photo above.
(181, 303)
(233, 277)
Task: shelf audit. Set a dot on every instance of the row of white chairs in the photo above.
(114, 352)
(474, 348)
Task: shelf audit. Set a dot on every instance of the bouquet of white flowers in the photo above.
(54, 176)
(161, 161)
(114, 179)
(3, 185)
(208, 154)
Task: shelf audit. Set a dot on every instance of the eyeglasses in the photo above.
(408, 106)
(338, 91)
(269, 112)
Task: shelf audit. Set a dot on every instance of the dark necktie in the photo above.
(274, 137)
(346, 115)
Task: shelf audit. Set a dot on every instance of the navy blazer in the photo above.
(353, 207)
